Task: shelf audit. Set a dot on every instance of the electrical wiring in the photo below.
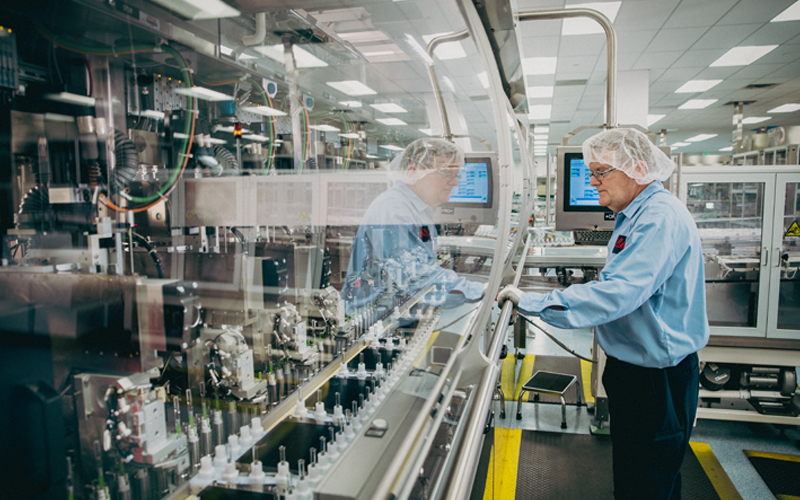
(558, 342)
(189, 125)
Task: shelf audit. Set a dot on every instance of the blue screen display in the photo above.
(581, 192)
(473, 184)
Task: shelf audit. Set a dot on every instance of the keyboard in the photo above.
(592, 237)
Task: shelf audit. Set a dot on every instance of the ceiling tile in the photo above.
(757, 71)
(657, 60)
(676, 39)
(589, 45)
(725, 37)
(539, 28)
(698, 58)
(575, 65)
(644, 15)
(752, 12)
(625, 62)
(717, 73)
(540, 46)
(772, 33)
(681, 75)
(698, 13)
(633, 41)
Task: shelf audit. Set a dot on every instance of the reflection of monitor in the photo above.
(577, 204)
(475, 198)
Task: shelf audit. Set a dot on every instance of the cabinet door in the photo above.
(730, 216)
(784, 300)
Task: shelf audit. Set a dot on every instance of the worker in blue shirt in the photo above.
(395, 246)
(649, 313)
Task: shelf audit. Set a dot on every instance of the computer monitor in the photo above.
(475, 198)
(577, 206)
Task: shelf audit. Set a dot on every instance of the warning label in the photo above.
(794, 230)
(303, 217)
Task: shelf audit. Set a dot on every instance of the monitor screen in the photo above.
(580, 195)
(473, 184)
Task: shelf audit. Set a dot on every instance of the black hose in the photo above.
(127, 160)
(152, 251)
(226, 159)
(240, 237)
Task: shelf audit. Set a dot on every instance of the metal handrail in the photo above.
(437, 90)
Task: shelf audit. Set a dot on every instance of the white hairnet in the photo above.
(424, 156)
(630, 151)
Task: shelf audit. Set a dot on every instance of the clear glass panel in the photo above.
(789, 294)
(729, 218)
(208, 227)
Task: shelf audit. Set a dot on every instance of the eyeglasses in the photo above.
(601, 175)
(449, 173)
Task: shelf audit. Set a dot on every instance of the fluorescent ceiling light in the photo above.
(264, 111)
(697, 86)
(351, 104)
(391, 121)
(200, 9)
(541, 129)
(324, 128)
(537, 92)
(729, 148)
(225, 50)
(786, 108)
(228, 129)
(755, 119)
(680, 144)
(150, 113)
(449, 84)
(790, 14)
(701, 137)
(540, 112)
(426, 131)
(697, 103)
(256, 137)
(584, 26)
(372, 157)
(651, 119)
(540, 142)
(539, 65)
(55, 117)
(379, 53)
(422, 53)
(389, 107)
(80, 100)
(351, 87)
(246, 56)
(350, 136)
(447, 50)
(742, 56)
(355, 37)
(540, 136)
(391, 147)
(203, 93)
(484, 79)
(302, 57)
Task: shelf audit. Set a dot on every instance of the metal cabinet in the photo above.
(751, 258)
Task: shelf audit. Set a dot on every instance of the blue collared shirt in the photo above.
(649, 305)
(396, 244)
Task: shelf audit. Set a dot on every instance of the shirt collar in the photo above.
(637, 202)
(415, 200)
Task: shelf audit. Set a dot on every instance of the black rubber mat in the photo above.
(782, 477)
(568, 365)
(556, 465)
(479, 484)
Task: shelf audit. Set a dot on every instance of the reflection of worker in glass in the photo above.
(395, 247)
(649, 310)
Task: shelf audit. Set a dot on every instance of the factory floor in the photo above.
(525, 458)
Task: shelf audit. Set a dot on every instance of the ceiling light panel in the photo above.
(540, 112)
(751, 120)
(680, 144)
(539, 65)
(537, 92)
(697, 86)
(350, 136)
(200, 9)
(701, 137)
(484, 79)
(356, 37)
(302, 57)
(786, 108)
(426, 131)
(391, 121)
(264, 111)
(742, 56)
(391, 147)
(324, 128)
(697, 103)
(584, 26)
(790, 14)
(204, 94)
(351, 104)
(351, 87)
(389, 107)
(651, 119)
(729, 148)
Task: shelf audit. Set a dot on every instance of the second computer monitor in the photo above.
(577, 201)
(475, 198)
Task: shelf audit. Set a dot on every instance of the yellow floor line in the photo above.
(773, 456)
(501, 478)
(586, 381)
(713, 469)
(786, 497)
(525, 372)
(507, 373)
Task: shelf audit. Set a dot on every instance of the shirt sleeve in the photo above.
(629, 279)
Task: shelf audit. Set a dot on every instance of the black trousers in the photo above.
(652, 413)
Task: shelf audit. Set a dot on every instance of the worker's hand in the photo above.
(510, 292)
